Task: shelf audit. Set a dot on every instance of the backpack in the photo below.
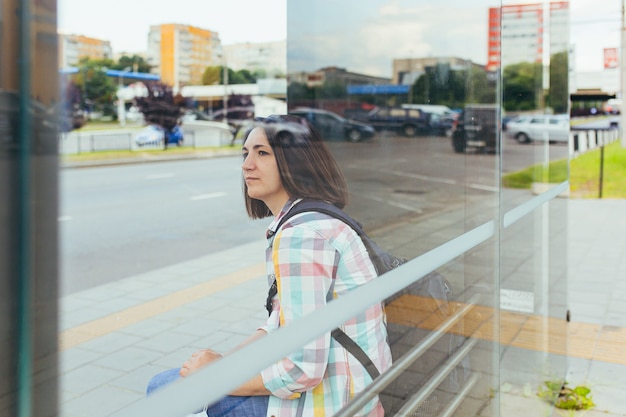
(432, 286)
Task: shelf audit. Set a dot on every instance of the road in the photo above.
(123, 220)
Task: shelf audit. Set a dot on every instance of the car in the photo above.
(409, 122)
(441, 125)
(476, 127)
(154, 135)
(332, 126)
(539, 127)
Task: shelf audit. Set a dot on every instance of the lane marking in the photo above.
(160, 176)
(207, 196)
(116, 321)
(484, 187)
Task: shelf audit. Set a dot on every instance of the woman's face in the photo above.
(260, 171)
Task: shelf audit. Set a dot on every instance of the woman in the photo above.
(312, 259)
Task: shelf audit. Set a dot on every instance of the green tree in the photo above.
(212, 75)
(522, 84)
(558, 96)
(98, 90)
(135, 62)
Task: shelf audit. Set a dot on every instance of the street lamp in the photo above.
(225, 79)
(121, 102)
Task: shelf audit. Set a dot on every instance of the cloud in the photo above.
(394, 31)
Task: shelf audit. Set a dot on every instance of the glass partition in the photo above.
(423, 105)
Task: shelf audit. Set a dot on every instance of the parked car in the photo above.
(409, 122)
(476, 127)
(154, 135)
(441, 125)
(539, 127)
(332, 126)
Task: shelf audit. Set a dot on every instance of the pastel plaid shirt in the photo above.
(310, 252)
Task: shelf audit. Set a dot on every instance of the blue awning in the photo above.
(129, 75)
(378, 89)
(133, 75)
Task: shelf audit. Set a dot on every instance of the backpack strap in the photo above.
(339, 335)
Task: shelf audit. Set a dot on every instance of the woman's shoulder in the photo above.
(318, 225)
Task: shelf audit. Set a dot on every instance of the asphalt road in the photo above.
(120, 221)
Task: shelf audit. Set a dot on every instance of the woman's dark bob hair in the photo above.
(306, 166)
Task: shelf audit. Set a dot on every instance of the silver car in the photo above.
(539, 127)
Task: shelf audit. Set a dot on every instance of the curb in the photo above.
(144, 159)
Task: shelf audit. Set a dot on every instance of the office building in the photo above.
(522, 32)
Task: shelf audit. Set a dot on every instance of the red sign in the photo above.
(611, 60)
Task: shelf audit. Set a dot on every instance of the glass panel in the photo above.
(28, 208)
(428, 175)
(533, 264)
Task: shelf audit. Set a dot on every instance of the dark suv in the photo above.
(476, 127)
(409, 122)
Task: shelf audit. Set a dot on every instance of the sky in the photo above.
(126, 23)
(445, 27)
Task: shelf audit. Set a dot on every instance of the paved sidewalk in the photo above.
(116, 336)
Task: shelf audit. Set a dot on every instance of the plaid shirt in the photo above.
(310, 252)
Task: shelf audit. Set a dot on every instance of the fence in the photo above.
(196, 135)
(584, 140)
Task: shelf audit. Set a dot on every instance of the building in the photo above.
(516, 33)
(72, 48)
(334, 75)
(267, 57)
(179, 53)
(407, 70)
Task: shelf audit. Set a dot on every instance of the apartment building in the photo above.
(269, 57)
(179, 53)
(517, 33)
(72, 48)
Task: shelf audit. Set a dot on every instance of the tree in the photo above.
(98, 90)
(558, 97)
(135, 62)
(214, 75)
(161, 107)
(522, 86)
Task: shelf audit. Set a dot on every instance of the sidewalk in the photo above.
(116, 336)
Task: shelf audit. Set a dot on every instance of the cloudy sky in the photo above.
(372, 32)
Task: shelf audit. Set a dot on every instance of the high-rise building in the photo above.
(269, 57)
(72, 48)
(519, 33)
(179, 53)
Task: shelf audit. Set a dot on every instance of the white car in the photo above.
(540, 127)
(150, 135)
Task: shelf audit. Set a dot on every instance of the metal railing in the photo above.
(216, 380)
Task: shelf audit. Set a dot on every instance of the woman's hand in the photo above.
(199, 359)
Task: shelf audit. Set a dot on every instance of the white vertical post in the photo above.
(623, 76)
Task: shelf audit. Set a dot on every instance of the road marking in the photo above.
(484, 187)
(419, 177)
(64, 218)
(395, 204)
(160, 176)
(116, 321)
(207, 196)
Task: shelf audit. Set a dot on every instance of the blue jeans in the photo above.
(230, 406)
